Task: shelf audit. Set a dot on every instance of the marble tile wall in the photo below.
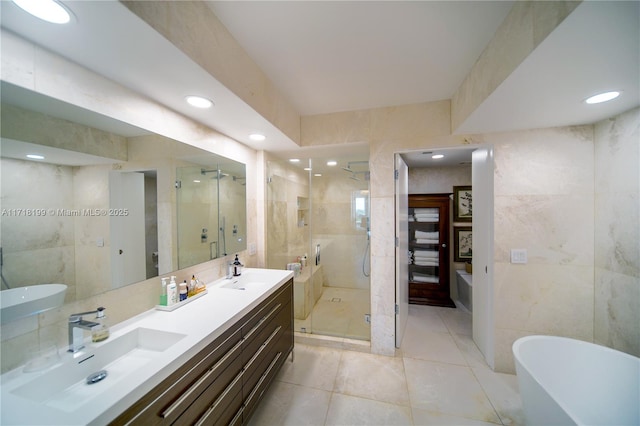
(343, 241)
(617, 232)
(287, 196)
(543, 202)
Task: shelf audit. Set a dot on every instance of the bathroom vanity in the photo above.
(208, 362)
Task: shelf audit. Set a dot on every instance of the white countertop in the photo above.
(201, 321)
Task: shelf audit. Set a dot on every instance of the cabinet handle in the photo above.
(264, 345)
(218, 400)
(166, 413)
(262, 320)
(264, 375)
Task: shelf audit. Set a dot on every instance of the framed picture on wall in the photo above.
(462, 204)
(462, 243)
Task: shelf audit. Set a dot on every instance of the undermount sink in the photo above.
(16, 303)
(242, 285)
(65, 387)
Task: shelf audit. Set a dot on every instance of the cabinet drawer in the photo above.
(258, 359)
(282, 296)
(221, 407)
(215, 396)
(152, 408)
(261, 385)
(279, 315)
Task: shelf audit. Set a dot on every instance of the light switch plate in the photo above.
(518, 255)
(252, 249)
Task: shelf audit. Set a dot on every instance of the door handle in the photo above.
(120, 251)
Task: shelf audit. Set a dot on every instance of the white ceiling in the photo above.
(336, 56)
(347, 55)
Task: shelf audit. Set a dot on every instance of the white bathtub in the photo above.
(567, 382)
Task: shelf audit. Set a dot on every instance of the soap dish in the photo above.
(180, 304)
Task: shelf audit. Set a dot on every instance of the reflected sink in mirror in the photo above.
(65, 386)
(16, 303)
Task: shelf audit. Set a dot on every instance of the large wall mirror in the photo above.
(110, 204)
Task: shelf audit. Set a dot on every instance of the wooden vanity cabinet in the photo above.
(224, 382)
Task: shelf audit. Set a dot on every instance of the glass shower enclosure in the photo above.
(318, 217)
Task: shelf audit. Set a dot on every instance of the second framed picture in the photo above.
(462, 243)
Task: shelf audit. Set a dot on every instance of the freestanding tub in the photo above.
(570, 382)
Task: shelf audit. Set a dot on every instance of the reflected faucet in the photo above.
(76, 325)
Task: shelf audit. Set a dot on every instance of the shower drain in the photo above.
(336, 299)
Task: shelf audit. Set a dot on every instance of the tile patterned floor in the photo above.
(438, 378)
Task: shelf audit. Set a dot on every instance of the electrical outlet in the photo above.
(252, 249)
(367, 318)
(518, 255)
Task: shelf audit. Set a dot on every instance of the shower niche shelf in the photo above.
(303, 211)
(429, 248)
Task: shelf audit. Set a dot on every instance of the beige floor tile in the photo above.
(287, 404)
(431, 346)
(426, 318)
(447, 389)
(352, 410)
(470, 351)
(502, 390)
(428, 418)
(456, 320)
(313, 366)
(370, 376)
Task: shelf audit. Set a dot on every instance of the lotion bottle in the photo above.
(172, 292)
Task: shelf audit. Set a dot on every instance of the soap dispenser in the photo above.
(100, 332)
(237, 267)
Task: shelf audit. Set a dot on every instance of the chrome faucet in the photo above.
(76, 325)
(229, 270)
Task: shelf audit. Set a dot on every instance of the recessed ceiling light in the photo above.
(437, 156)
(196, 181)
(307, 169)
(35, 156)
(257, 137)
(317, 174)
(332, 163)
(294, 160)
(47, 10)
(199, 102)
(602, 97)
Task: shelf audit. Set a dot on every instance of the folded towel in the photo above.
(426, 216)
(427, 219)
(425, 253)
(426, 241)
(429, 210)
(425, 279)
(422, 234)
(425, 263)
